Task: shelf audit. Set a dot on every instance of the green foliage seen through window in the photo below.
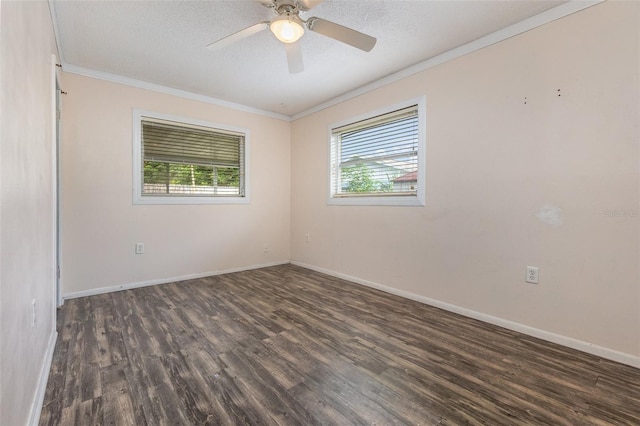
(189, 174)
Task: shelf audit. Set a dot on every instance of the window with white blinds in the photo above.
(180, 161)
(378, 156)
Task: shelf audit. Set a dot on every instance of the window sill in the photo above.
(388, 200)
(188, 200)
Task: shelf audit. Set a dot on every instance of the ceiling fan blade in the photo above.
(266, 3)
(230, 39)
(341, 33)
(305, 5)
(294, 57)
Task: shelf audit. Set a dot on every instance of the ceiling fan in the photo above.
(288, 27)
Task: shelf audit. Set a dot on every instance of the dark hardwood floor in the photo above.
(285, 345)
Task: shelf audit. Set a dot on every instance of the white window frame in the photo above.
(383, 200)
(138, 198)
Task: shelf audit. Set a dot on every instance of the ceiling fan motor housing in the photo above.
(289, 7)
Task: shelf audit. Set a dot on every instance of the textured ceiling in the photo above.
(164, 42)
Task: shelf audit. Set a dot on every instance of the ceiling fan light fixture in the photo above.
(287, 28)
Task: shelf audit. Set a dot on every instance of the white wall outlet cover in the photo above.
(532, 274)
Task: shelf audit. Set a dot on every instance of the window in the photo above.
(182, 161)
(378, 159)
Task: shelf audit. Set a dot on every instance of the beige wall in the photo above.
(27, 212)
(552, 183)
(100, 225)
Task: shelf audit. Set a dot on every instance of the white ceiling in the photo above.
(164, 43)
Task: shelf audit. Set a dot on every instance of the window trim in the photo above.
(384, 200)
(138, 198)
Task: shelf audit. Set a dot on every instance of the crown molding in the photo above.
(114, 78)
(538, 20)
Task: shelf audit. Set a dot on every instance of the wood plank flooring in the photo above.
(285, 345)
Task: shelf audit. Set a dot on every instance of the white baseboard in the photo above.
(569, 342)
(38, 399)
(102, 290)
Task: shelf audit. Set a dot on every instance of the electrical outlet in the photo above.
(307, 238)
(532, 274)
(266, 248)
(139, 248)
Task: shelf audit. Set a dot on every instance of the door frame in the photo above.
(56, 120)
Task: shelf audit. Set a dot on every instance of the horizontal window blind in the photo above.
(169, 142)
(186, 160)
(377, 156)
